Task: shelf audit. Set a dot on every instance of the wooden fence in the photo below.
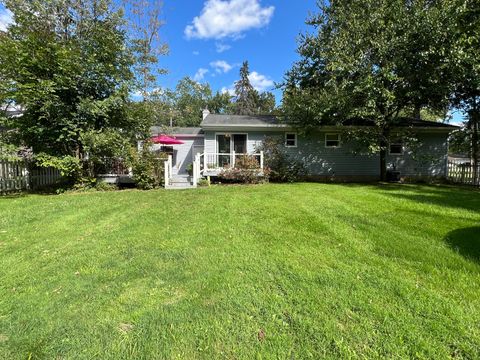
(462, 172)
(18, 175)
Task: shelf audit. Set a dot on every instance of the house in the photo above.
(326, 153)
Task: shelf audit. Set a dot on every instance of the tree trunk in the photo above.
(383, 164)
(416, 112)
(383, 154)
(475, 119)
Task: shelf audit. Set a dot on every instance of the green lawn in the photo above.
(269, 271)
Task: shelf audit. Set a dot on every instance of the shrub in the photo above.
(203, 182)
(70, 167)
(104, 186)
(148, 168)
(282, 168)
(246, 171)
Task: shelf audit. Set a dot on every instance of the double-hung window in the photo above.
(291, 140)
(332, 140)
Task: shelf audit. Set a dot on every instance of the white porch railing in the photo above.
(168, 170)
(222, 160)
(212, 163)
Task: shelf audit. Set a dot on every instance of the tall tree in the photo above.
(145, 24)
(467, 90)
(371, 59)
(245, 94)
(68, 64)
(190, 98)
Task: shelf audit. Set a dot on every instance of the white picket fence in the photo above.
(463, 172)
(15, 176)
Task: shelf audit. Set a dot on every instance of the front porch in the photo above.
(212, 164)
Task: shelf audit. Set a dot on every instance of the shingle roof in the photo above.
(241, 120)
(213, 120)
(403, 122)
(188, 131)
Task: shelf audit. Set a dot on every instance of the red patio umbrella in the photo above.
(166, 140)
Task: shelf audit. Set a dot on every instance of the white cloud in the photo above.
(228, 18)
(221, 66)
(260, 82)
(196, 53)
(222, 47)
(6, 18)
(200, 74)
(228, 90)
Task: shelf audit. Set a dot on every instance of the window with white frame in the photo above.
(291, 140)
(332, 140)
(396, 148)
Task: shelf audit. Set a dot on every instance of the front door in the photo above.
(240, 143)
(223, 150)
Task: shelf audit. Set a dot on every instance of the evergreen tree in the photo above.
(245, 95)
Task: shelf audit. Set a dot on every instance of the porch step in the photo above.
(178, 182)
(179, 179)
(179, 186)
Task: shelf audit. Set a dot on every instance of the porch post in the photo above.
(233, 159)
(261, 160)
(167, 177)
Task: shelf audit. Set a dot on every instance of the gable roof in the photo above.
(402, 122)
(213, 121)
(177, 131)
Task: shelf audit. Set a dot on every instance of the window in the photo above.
(332, 140)
(396, 149)
(291, 140)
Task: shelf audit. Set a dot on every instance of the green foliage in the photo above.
(189, 169)
(246, 97)
(148, 168)
(104, 186)
(372, 60)
(466, 52)
(281, 167)
(69, 64)
(203, 183)
(247, 170)
(70, 167)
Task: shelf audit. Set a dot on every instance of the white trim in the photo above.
(296, 139)
(339, 141)
(396, 154)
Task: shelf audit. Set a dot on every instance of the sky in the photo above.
(209, 40)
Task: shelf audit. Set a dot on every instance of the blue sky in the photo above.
(263, 32)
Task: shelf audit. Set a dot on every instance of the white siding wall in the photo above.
(183, 154)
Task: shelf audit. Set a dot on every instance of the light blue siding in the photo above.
(428, 160)
(184, 153)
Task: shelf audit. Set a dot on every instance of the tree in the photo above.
(266, 103)
(144, 18)
(467, 89)
(245, 95)
(67, 64)
(373, 60)
(220, 103)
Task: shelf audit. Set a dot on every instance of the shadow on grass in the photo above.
(441, 195)
(466, 241)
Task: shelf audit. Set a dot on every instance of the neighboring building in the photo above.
(326, 155)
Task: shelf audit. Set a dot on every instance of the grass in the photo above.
(269, 271)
